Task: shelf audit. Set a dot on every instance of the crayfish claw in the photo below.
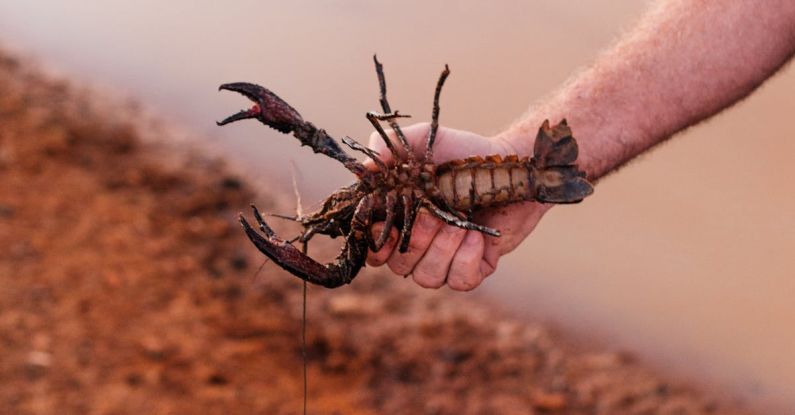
(261, 222)
(293, 260)
(242, 115)
(268, 108)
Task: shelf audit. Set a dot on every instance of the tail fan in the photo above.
(555, 174)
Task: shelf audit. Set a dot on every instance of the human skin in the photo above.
(685, 61)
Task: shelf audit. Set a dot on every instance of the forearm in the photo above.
(685, 61)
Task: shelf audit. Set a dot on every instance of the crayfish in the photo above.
(395, 193)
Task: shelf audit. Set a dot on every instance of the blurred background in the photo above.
(685, 257)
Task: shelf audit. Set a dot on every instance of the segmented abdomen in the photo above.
(475, 183)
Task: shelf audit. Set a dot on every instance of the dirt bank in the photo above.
(126, 288)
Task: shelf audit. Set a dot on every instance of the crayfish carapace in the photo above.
(394, 193)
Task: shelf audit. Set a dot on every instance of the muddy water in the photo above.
(685, 256)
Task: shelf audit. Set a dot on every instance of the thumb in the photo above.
(416, 135)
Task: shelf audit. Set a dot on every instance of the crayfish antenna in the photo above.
(254, 278)
(280, 216)
(299, 210)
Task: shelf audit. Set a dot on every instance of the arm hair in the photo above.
(685, 61)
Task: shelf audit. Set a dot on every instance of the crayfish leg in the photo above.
(390, 200)
(379, 71)
(376, 119)
(451, 219)
(410, 210)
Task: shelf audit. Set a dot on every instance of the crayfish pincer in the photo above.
(394, 193)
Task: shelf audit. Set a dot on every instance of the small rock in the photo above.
(548, 401)
(154, 347)
(39, 358)
(351, 304)
(217, 379)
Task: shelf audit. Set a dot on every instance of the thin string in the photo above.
(303, 337)
(254, 278)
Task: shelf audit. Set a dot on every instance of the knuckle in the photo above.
(384, 253)
(465, 271)
(417, 243)
(377, 259)
(426, 280)
(463, 282)
(372, 260)
(399, 269)
(400, 264)
(432, 269)
(436, 261)
(423, 232)
(449, 238)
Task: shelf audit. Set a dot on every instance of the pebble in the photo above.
(39, 358)
(548, 401)
(352, 304)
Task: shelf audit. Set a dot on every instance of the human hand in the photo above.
(441, 254)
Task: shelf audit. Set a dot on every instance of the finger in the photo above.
(415, 134)
(432, 269)
(488, 264)
(376, 259)
(425, 228)
(465, 272)
(377, 143)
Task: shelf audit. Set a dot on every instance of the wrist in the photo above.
(520, 139)
(516, 141)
